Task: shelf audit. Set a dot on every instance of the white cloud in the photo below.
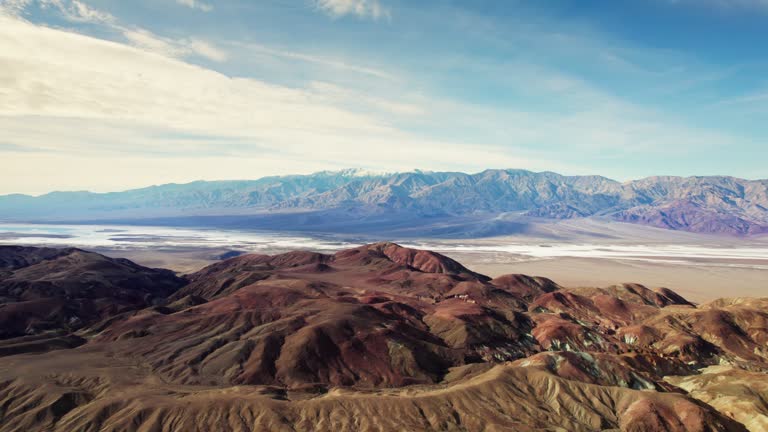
(14, 7)
(72, 75)
(361, 8)
(77, 11)
(82, 102)
(196, 4)
(323, 61)
(146, 40)
(93, 114)
(206, 49)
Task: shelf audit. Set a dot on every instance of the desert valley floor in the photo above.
(577, 253)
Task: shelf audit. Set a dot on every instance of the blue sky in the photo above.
(108, 95)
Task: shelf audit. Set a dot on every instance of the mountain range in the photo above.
(378, 337)
(491, 202)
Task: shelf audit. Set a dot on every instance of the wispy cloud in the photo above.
(729, 4)
(77, 11)
(149, 41)
(142, 105)
(758, 100)
(315, 59)
(14, 7)
(196, 4)
(361, 8)
(119, 108)
(527, 102)
(356, 100)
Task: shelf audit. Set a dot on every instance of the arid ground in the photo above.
(575, 253)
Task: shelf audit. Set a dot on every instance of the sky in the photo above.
(108, 95)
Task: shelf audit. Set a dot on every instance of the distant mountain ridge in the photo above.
(710, 204)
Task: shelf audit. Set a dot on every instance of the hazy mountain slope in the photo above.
(190, 198)
(700, 204)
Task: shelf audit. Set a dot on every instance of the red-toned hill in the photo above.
(55, 291)
(379, 337)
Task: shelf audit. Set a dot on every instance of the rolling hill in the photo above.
(378, 337)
